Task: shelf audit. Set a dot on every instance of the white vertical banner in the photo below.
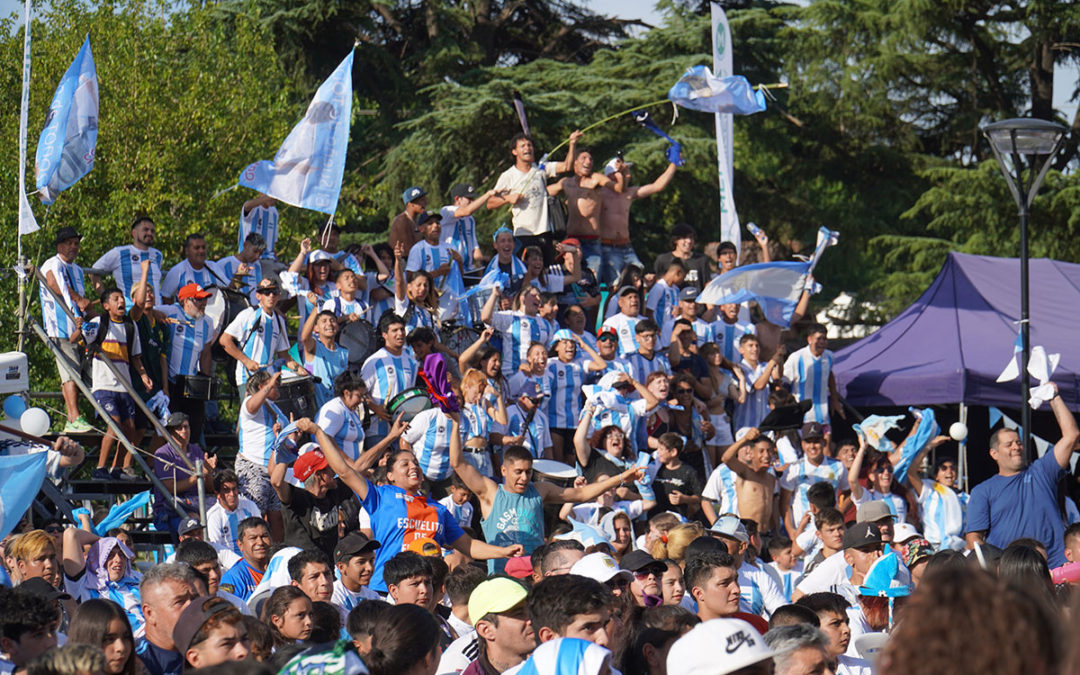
(725, 134)
(27, 224)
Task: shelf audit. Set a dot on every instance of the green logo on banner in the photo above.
(719, 40)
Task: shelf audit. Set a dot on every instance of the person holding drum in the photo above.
(314, 287)
(256, 434)
(387, 373)
(190, 340)
(519, 328)
(244, 270)
(415, 300)
(258, 335)
(327, 359)
(399, 512)
(512, 512)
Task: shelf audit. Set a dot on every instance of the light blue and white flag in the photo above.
(874, 427)
(699, 89)
(20, 480)
(776, 286)
(67, 145)
(914, 444)
(308, 167)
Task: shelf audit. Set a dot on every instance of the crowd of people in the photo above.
(534, 457)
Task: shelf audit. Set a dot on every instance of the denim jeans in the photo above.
(615, 259)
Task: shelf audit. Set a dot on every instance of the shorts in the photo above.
(117, 404)
(255, 485)
(723, 430)
(481, 461)
(73, 352)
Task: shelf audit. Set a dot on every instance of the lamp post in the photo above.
(1038, 141)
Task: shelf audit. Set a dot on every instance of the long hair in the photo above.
(90, 625)
(404, 635)
(276, 605)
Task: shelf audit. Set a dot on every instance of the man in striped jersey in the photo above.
(387, 372)
(123, 261)
(814, 467)
(193, 268)
(65, 278)
(244, 270)
(624, 322)
(459, 225)
(259, 216)
(646, 360)
(809, 372)
(192, 336)
(729, 329)
(563, 380)
(258, 336)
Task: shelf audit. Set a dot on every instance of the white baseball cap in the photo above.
(601, 567)
(904, 531)
(717, 647)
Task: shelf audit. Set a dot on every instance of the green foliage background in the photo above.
(876, 137)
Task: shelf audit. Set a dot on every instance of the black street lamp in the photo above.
(1011, 141)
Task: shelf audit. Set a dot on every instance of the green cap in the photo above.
(495, 596)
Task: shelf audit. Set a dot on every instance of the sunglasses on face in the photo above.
(268, 291)
(681, 391)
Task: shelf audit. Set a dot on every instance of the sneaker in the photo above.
(115, 474)
(129, 474)
(101, 474)
(78, 426)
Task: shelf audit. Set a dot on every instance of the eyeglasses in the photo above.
(267, 291)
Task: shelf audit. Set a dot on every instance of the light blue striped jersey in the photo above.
(387, 376)
(809, 379)
(475, 421)
(720, 488)
(802, 474)
(536, 436)
(788, 578)
(187, 338)
(260, 336)
(897, 504)
(563, 381)
(298, 286)
(182, 274)
(624, 326)
(661, 300)
(460, 234)
(758, 592)
(343, 425)
(702, 329)
(756, 407)
(69, 277)
(518, 330)
(222, 524)
(515, 269)
(416, 318)
(424, 256)
(255, 431)
(640, 366)
(429, 436)
(727, 336)
(123, 263)
(249, 282)
(942, 511)
(347, 260)
(341, 307)
(263, 220)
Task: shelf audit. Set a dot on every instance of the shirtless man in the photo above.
(583, 202)
(615, 250)
(755, 482)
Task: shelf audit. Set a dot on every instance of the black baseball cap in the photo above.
(354, 542)
(194, 616)
(427, 217)
(637, 561)
(812, 430)
(862, 534)
(462, 190)
(188, 525)
(44, 589)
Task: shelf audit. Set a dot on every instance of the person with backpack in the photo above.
(113, 336)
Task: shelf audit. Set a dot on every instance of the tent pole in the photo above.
(961, 458)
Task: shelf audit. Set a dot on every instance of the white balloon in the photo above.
(958, 431)
(35, 421)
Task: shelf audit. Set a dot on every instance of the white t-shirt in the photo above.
(530, 214)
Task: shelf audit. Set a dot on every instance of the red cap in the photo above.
(608, 331)
(309, 463)
(519, 567)
(192, 290)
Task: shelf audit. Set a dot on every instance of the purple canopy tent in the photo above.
(950, 345)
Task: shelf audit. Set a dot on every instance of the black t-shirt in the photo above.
(599, 465)
(683, 479)
(697, 268)
(313, 523)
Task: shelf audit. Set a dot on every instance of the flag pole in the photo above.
(25, 213)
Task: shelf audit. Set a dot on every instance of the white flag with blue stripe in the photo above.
(68, 143)
(308, 167)
(776, 286)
